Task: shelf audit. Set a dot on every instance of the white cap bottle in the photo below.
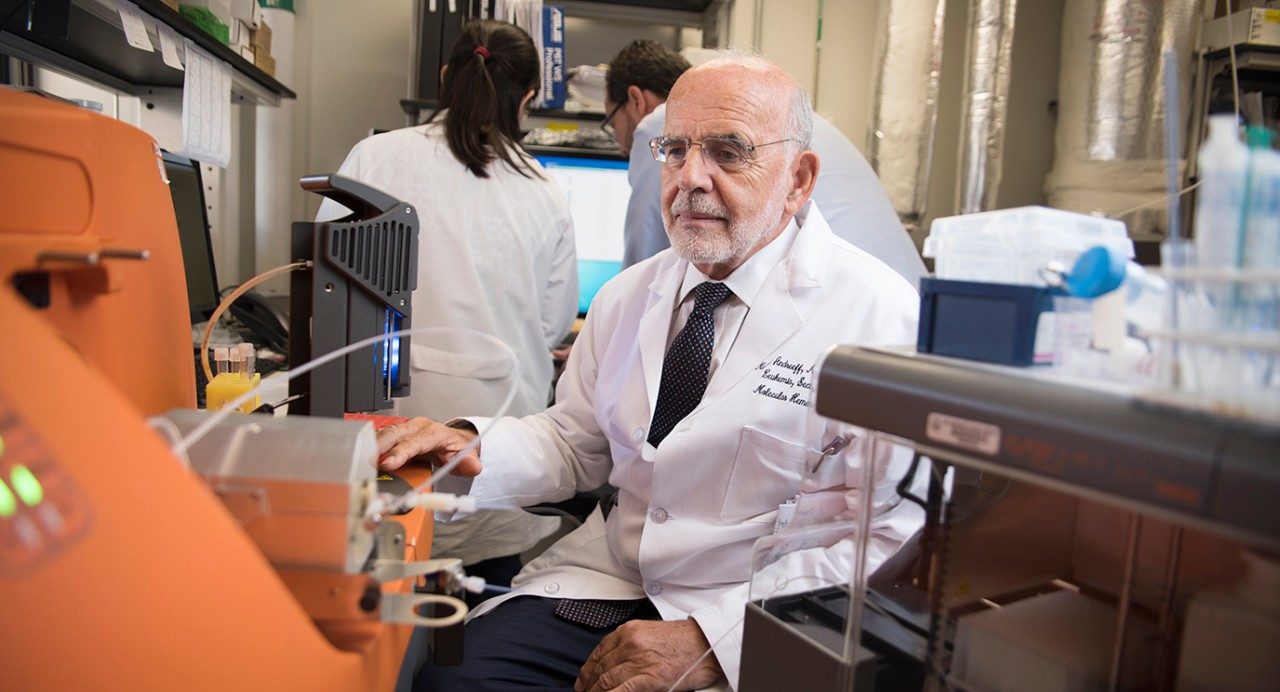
(1223, 160)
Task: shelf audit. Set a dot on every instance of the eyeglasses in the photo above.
(729, 153)
(604, 124)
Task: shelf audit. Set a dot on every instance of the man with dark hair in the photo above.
(849, 193)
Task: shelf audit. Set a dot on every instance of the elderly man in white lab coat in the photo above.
(689, 390)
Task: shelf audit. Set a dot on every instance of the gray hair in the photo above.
(799, 119)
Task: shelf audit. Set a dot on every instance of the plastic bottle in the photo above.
(1223, 161)
(1261, 244)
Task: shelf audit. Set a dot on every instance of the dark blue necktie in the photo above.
(684, 368)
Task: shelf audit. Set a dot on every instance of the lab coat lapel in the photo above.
(778, 311)
(654, 325)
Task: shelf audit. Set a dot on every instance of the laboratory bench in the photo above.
(1080, 535)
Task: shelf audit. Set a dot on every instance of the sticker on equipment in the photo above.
(966, 434)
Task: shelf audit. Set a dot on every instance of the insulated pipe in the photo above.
(986, 95)
(905, 105)
(1127, 92)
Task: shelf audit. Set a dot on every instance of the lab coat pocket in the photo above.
(766, 472)
(477, 367)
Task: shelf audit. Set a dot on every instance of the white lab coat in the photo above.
(495, 255)
(689, 511)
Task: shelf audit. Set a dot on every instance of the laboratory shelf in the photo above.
(95, 49)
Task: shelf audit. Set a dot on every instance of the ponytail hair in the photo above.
(490, 69)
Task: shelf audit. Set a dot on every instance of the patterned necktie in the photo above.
(597, 614)
(684, 368)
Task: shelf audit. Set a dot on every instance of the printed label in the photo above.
(966, 434)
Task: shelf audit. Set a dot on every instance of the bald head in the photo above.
(737, 166)
(766, 74)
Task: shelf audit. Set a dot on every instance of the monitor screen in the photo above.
(598, 191)
(187, 191)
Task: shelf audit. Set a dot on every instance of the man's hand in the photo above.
(435, 443)
(650, 655)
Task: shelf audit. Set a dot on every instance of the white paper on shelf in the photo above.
(169, 46)
(206, 107)
(135, 29)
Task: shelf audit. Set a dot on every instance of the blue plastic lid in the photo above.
(1097, 271)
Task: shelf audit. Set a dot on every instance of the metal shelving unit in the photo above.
(95, 49)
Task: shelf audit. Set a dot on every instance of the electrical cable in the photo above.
(171, 433)
(1164, 197)
(231, 298)
(711, 647)
(406, 499)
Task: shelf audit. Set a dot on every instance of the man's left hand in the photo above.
(650, 655)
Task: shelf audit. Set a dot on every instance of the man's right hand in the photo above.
(428, 441)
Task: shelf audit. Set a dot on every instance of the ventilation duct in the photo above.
(905, 106)
(985, 108)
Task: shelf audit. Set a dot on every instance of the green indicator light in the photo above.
(27, 485)
(8, 503)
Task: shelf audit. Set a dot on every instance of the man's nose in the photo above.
(695, 172)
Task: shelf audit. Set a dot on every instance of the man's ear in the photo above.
(804, 174)
(641, 102)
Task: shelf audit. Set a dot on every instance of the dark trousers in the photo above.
(520, 645)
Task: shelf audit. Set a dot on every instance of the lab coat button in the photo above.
(638, 435)
(658, 515)
(553, 587)
(653, 588)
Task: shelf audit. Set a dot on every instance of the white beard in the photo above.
(714, 247)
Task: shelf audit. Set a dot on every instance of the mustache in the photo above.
(697, 204)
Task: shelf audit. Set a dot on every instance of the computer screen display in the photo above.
(598, 191)
(187, 190)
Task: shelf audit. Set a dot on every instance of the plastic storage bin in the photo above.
(997, 323)
(1010, 245)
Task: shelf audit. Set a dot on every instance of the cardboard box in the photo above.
(1259, 27)
(173, 4)
(263, 61)
(261, 37)
(246, 11)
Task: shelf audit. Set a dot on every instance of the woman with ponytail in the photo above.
(496, 254)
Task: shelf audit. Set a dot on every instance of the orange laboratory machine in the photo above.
(120, 568)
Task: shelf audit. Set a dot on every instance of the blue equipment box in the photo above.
(553, 91)
(997, 323)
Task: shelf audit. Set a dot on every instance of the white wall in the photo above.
(353, 60)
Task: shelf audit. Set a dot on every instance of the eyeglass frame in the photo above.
(604, 124)
(750, 148)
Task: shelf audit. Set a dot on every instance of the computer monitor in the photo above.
(187, 190)
(597, 188)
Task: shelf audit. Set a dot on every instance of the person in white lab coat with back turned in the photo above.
(496, 254)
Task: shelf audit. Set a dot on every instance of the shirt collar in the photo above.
(747, 279)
